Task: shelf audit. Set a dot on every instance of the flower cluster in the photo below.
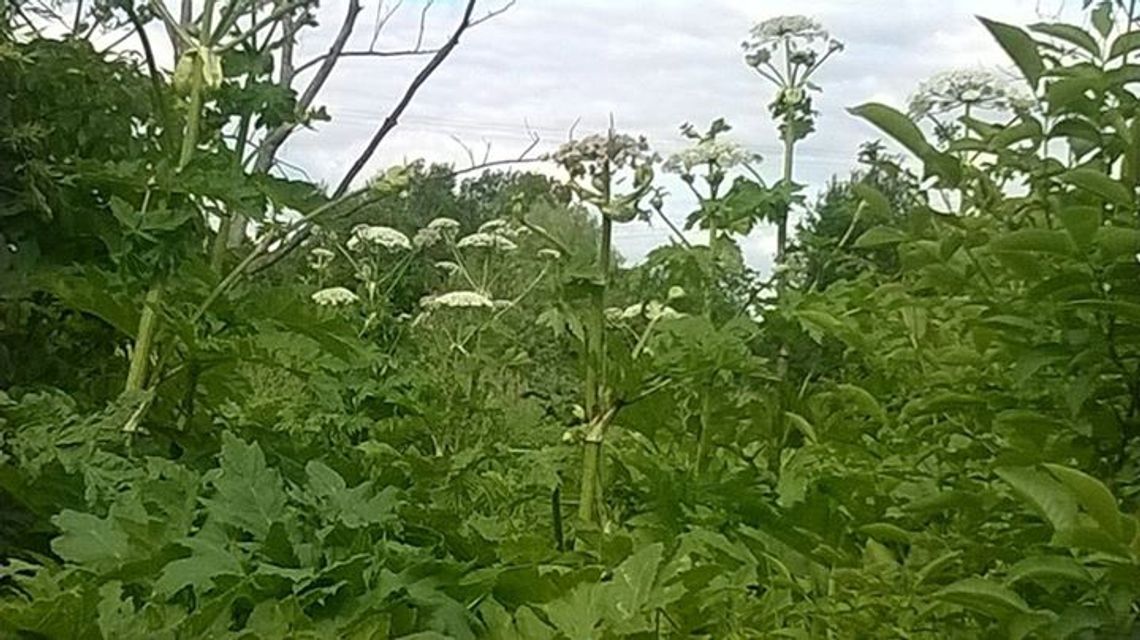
(458, 299)
(319, 258)
(780, 27)
(798, 33)
(334, 297)
(977, 88)
(721, 153)
(482, 240)
(586, 155)
(385, 237)
(652, 311)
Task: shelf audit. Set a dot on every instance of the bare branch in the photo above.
(277, 137)
(369, 53)
(423, 22)
(466, 149)
(485, 164)
(394, 117)
(491, 14)
(381, 21)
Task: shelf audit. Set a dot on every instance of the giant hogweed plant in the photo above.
(787, 51)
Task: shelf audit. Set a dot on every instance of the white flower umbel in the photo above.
(444, 225)
(384, 237)
(427, 237)
(319, 258)
(486, 241)
(459, 300)
(721, 153)
(973, 88)
(448, 266)
(494, 226)
(586, 155)
(775, 29)
(334, 297)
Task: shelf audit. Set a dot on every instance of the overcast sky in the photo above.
(652, 64)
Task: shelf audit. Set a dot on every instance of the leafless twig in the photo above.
(370, 53)
(423, 23)
(382, 19)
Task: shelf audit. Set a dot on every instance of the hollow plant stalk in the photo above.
(591, 488)
(149, 318)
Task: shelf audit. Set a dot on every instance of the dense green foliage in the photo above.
(449, 412)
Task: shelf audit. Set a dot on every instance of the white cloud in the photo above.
(652, 65)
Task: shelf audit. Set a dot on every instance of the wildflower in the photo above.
(676, 293)
(444, 225)
(385, 237)
(721, 153)
(486, 241)
(460, 299)
(320, 258)
(657, 311)
(448, 266)
(334, 297)
(978, 88)
(549, 254)
(427, 237)
(773, 30)
(494, 226)
(632, 311)
(586, 155)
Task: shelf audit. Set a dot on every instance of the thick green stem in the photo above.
(144, 341)
(591, 480)
(590, 493)
(703, 435)
(789, 159)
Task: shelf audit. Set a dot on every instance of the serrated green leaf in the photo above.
(208, 560)
(248, 494)
(99, 544)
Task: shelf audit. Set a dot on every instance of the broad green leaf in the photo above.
(879, 236)
(1093, 496)
(1033, 240)
(984, 596)
(897, 125)
(886, 532)
(1115, 242)
(208, 560)
(633, 592)
(1047, 569)
(876, 203)
(1081, 223)
(1020, 47)
(579, 612)
(248, 494)
(865, 401)
(1069, 33)
(99, 544)
(1047, 496)
(1125, 44)
(1098, 183)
